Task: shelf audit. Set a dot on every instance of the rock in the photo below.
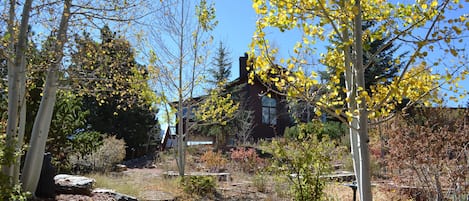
(114, 194)
(46, 186)
(120, 168)
(73, 184)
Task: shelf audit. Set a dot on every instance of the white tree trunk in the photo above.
(351, 106)
(22, 123)
(364, 169)
(16, 75)
(35, 154)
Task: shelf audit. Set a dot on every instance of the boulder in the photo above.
(73, 184)
(117, 196)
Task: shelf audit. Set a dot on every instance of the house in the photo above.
(270, 112)
(271, 115)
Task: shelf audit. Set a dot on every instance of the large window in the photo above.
(269, 111)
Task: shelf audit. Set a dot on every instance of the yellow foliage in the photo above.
(328, 20)
(217, 108)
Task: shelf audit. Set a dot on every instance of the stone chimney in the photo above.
(243, 72)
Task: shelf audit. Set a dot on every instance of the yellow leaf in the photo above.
(424, 6)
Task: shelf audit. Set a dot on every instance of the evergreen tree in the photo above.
(381, 69)
(221, 70)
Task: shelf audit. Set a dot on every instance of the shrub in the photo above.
(246, 159)
(260, 182)
(199, 185)
(8, 191)
(214, 161)
(304, 159)
(87, 142)
(80, 145)
(431, 155)
(334, 130)
(112, 151)
(11, 192)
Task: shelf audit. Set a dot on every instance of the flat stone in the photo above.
(73, 184)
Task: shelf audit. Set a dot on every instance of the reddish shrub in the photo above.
(214, 161)
(246, 159)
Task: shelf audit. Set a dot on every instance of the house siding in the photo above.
(252, 101)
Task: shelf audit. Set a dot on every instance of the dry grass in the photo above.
(137, 184)
(140, 183)
(337, 191)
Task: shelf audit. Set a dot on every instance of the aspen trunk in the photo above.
(22, 123)
(352, 106)
(353, 125)
(16, 75)
(35, 154)
(181, 133)
(364, 181)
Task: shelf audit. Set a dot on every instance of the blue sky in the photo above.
(236, 25)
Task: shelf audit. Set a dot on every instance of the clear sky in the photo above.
(236, 25)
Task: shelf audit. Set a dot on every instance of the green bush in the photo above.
(111, 152)
(203, 186)
(11, 192)
(260, 182)
(333, 130)
(78, 146)
(8, 191)
(87, 142)
(303, 158)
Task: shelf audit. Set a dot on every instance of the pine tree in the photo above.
(221, 70)
(381, 69)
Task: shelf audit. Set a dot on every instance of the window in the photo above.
(269, 111)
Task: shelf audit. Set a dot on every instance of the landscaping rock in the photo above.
(115, 195)
(120, 168)
(73, 184)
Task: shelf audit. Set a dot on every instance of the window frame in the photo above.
(269, 110)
